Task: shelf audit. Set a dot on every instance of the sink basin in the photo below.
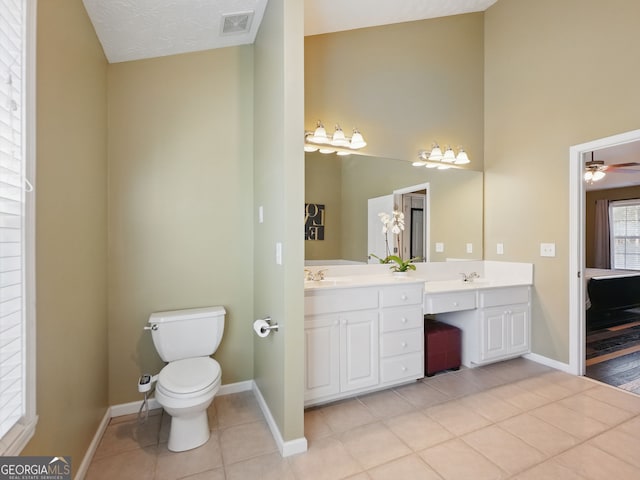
(328, 282)
(446, 285)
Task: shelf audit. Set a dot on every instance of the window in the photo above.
(625, 234)
(17, 324)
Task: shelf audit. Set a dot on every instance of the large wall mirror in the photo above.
(344, 185)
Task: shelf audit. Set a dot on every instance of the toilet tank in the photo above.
(194, 332)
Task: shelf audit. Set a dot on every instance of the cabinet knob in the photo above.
(343, 321)
(404, 369)
(404, 320)
(404, 297)
(404, 344)
(455, 304)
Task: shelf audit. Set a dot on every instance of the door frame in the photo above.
(427, 213)
(577, 311)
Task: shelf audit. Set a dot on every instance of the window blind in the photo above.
(12, 215)
(625, 234)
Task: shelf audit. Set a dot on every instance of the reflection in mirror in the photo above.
(452, 215)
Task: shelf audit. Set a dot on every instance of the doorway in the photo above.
(578, 154)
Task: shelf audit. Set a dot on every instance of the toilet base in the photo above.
(188, 432)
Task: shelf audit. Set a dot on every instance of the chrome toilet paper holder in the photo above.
(270, 326)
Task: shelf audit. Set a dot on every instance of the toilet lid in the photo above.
(189, 375)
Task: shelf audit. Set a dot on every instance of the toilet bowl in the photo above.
(186, 386)
(185, 389)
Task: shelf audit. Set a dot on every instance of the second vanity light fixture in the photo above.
(436, 159)
(338, 143)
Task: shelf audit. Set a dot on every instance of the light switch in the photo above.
(439, 247)
(278, 253)
(500, 248)
(547, 249)
(469, 247)
(260, 214)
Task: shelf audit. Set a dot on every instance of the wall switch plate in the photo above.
(260, 214)
(278, 253)
(500, 248)
(547, 249)
(439, 247)
(469, 247)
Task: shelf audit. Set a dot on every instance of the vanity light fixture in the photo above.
(338, 143)
(442, 161)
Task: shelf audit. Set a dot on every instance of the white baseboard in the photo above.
(549, 362)
(93, 446)
(288, 448)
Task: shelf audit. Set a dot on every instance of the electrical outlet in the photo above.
(260, 214)
(500, 248)
(547, 249)
(439, 247)
(469, 247)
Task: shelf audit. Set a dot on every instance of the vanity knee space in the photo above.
(495, 328)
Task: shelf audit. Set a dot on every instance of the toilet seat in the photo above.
(189, 377)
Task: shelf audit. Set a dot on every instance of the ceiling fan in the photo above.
(595, 170)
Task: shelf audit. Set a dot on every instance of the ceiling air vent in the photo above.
(233, 23)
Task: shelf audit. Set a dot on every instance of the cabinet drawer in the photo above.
(408, 367)
(451, 302)
(337, 301)
(401, 318)
(402, 342)
(504, 296)
(402, 295)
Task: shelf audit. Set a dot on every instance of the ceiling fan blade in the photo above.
(622, 165)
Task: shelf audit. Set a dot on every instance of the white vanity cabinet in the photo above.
(401, 334)
(498, 328)
(359, 339)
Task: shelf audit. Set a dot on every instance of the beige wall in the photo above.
(71, 228)
(404, 86)
(278, 188)
(556, 74)
(180, 205)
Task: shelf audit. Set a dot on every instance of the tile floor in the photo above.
(514, 419)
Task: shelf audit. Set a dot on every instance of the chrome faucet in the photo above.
(468, 278)
(314, 276)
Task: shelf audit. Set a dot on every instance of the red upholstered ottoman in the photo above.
(442, 347)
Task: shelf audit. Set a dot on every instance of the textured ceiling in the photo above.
(137, 29)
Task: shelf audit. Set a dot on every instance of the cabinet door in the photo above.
(322, 361)
(519, 327)
(493, 334)
(358, 350)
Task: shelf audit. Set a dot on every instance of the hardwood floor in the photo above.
(613, 356)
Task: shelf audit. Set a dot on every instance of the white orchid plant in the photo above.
(394, 223)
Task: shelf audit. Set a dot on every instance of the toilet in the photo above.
(185, 387)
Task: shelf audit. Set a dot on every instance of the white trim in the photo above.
(237, 387)
(576, 244)
(288, 448)
(93, 446)
(549, 362)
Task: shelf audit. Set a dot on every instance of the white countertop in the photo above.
(430, 286)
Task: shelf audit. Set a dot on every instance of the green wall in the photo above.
(278, 188)
(180, 202)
